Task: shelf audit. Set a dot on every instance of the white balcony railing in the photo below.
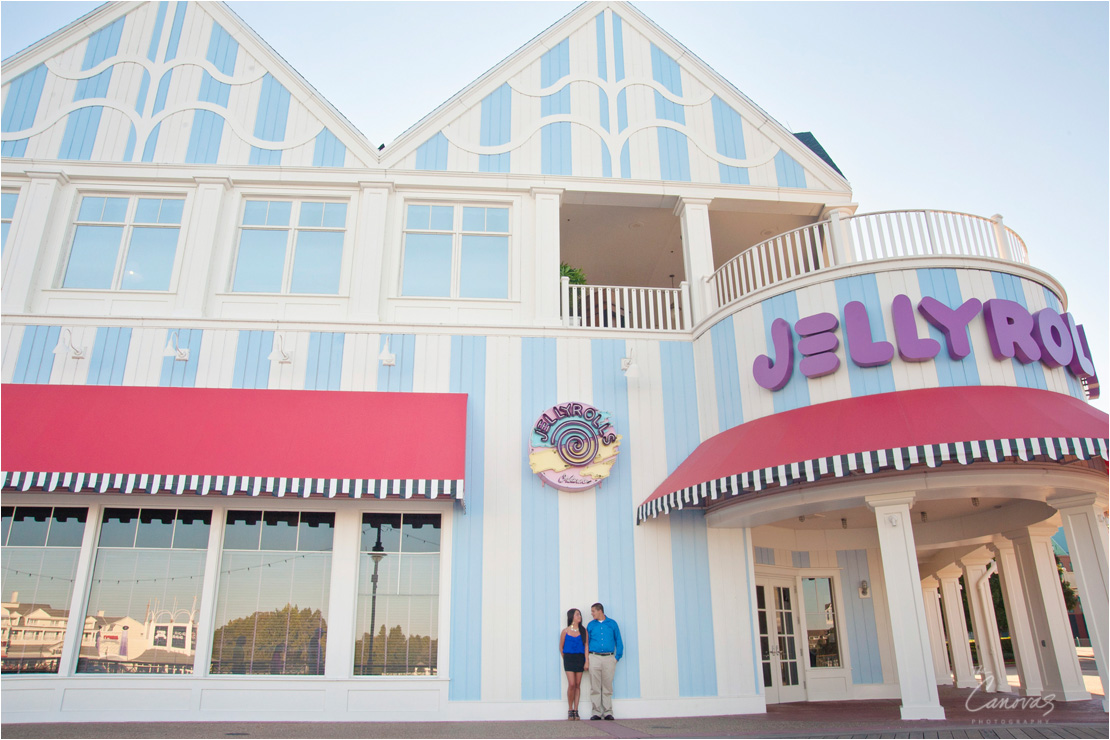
(624, 307)
(864, 238)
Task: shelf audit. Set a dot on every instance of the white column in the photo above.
(838, 232)
(697, 253)
(1085, 528)
(1045, 601)
(546, 285)
(206, 614)
(909, 628)
(1000, 238)
(27, 263)
(1017, 616)
(930, 592)
(79, 598)
(206, 258)
(987, 643)
(371, 272)
(340, 651)
(950, 589)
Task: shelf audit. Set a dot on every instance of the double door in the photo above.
(779, 627)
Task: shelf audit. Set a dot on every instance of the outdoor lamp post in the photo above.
(377, 552)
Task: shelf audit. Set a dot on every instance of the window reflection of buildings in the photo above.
(165, 642)
(31, 636)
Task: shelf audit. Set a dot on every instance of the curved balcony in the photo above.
(863, 238)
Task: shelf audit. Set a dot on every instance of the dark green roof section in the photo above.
(815, 146)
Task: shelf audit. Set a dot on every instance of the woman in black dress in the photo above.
(574, 647)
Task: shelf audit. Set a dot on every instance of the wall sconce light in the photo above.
(629, 366)
(386, 357)
(175, 350)
(975, 501)
(843, 523)
(924, 517)
(279, 354)
(864, 590)
(65, 346)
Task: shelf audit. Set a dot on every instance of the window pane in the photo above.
(254, 213)
(312, 214)
(243, 530)
(191, 530)
(443, 218)
(155, 528)
(147, 211)
(497, 219)
(484, 267)
(279, 212)
(474, 219)
(29, 526)
(92, 261)
(388, 526)
(149, 259)
(279, 530)
(171, 211)
(118, 528)
(427, 270)
(418, 217)
(316, 532)
(261, 261)
(91, 208)
(37, 584)
(115, 210)
(316, 262)
(67, 528)
(420, 533)
(820, 623)
(7, 204)
(397, 615)
(335, 215)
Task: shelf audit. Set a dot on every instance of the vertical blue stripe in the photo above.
(674, 155)
(496, 128)
(555, 146)
(151, 143)
(267, 157)
(144, 88)
(789, 173)
(204, 138)
(399, 377)
(22, 104)
(222, 51)
(494, 162)
(325, 361)
(944, 285)
(728, 129)
(667, 73)
(82, 124)
(800, 558)
(622, 111)
(794, 394)
(540, 617)
(179, 374)
(162, 93)
(764, 555)
(109, 356)
(555, 63)
(252, 359)
(156, 34)
(80, 134)
(1009, 287)
(328, 150)
(693, 604)
(726, 375)
(16, 148)
(616, 560)
(468, 375)
(1075, 388)
(603, 110)
(556, 103)
(432, 154)
(36, 354)
(129, 149)
(864, 381)
(270, 120)
(602, 62)
(606, 161)
(858, 621)
(618, 47)
(175, 31)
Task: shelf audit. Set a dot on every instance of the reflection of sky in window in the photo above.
(127, 582)
(408, 593)
(41, 575)
(817, 594)
(263, 581)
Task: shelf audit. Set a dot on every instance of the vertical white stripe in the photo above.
(360, 362)
(705, 372)
(432, 363)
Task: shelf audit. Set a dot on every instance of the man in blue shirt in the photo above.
(606, 648)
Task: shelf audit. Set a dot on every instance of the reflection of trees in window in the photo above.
(821, 632)
(271, 606)
(398, 595)
(146, 585)
(40, 549)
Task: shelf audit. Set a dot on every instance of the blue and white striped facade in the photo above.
(175, 99)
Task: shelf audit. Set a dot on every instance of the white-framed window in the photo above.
(124, 243)
(455, 251)
(7, 213)
(822, 636)
(288, 246)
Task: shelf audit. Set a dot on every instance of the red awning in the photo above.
(252, 441)
(880, 432)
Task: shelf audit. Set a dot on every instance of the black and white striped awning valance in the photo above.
(1050, 449)
(229, 485)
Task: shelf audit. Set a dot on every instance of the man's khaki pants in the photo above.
(602, 669)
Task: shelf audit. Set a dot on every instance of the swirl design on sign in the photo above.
(575, 441)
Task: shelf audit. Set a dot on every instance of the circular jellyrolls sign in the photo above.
(573, 446)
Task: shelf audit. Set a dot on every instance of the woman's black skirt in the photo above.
(574, 662)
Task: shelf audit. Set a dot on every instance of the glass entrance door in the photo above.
(778, 642)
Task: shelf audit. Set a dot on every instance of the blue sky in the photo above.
(977, 107)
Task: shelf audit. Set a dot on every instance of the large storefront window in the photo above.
(398, 596)
(145, 594)
(40, 550)
(824, 647)
(272, 604)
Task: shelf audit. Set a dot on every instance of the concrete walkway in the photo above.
(969, 715)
